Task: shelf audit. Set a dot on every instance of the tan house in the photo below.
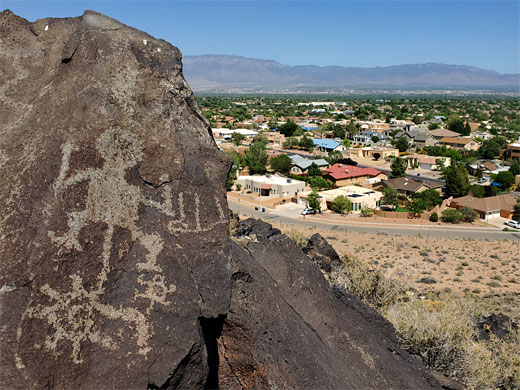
(408, 186)
(441, 133)
(490, 207)
(513, 150)
(459, 143)
(373, 152)
(359, 197)
(271, 185)
(430, 163)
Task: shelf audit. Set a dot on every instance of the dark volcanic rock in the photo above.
(255, 229)
(287, 328)
(321, 252)
(117, 270)
(498, 324)
(114, 218)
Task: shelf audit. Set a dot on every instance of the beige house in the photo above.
(271, 185)
(488, 208)
(373, 152)
(430, 163)
(513, 150)
(459, 143)
(359, 196)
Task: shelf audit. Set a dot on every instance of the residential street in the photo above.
(457, 231)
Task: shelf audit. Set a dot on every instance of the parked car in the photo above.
(513, 224)
(307, 211)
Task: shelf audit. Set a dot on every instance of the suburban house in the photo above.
(301, 164)
(376, 152)
(429, 163)
(513, 150)
(344, 175)
(359, 197)
(459, 143)
(487, 208)
(328, 145)
(365, 137)
(271, 185)
(486, 167)
(417, 138)
(407, 186)
(441, 133)
(224, 133)
(274, 138)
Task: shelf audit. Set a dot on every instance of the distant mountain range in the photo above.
(223, 73)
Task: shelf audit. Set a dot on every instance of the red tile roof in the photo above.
(342, 171)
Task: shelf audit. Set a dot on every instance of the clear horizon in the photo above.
(483, 34)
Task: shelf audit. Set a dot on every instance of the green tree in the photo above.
(375, 139)
(477, 191)
(306, 143)
(433, 126)
(313, 201)
(457, 180)
(262, 139)
(346, 143)
(417, 206)
(238, 138)
(398, 167)
(318, 183)
(339, 131)
(238, 162)
(467, 129)
(516, 214)
(451, 215)
(256, 158)
(291, 143)
(352, 130)
(273, 123)
(515, 167)
(390, 196)
(281, 163)
(468, 215)
(333, 157)
(506, 179)
(402, 144)
(456, 123)
(489, 149)
(288, 128)
(313, 170)
(431, 197)
(341, 205)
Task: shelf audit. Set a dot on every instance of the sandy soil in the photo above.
(483, 268)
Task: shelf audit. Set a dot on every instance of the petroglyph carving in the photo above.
(112, 200)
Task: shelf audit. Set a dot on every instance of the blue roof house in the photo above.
(328, 145)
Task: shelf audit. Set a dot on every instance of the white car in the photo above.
(513, 224)
(307, 211)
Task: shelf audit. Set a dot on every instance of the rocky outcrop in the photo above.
(117, 269)
(114, 235)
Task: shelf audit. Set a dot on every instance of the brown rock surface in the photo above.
(117, 270)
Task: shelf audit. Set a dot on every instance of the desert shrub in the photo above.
(443, 333)
(298, 238)
(434, 217)
(451, 215)
(371, 286)
(366, 211)
(468, 215)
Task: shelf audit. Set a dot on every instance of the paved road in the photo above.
(397, 229)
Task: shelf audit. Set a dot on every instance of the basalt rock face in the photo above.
(117, 269)
(114, 232)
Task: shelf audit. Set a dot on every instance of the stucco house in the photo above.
(271, 185)
(300, 164)
(359, 197)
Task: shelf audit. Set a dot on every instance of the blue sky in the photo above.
(349, 33)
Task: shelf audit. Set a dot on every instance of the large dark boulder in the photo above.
(288, 328)
(114, 231)
(117, 269)
(322, 253)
